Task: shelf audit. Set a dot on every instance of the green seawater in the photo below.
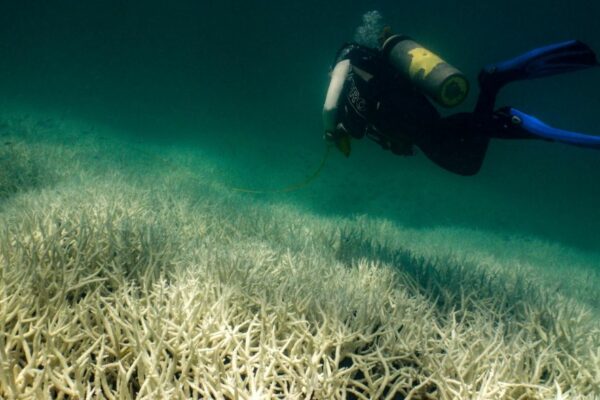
(245, 81)
(147, 233)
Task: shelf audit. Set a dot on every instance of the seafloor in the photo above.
(131, 270)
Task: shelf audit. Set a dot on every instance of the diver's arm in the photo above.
(334, 93)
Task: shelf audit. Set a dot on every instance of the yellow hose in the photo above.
(285, 189)
(295, 186)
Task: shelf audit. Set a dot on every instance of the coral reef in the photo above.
(156, 284)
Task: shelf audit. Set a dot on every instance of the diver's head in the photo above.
(367, 34)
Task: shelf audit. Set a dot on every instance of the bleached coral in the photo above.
(111, 288)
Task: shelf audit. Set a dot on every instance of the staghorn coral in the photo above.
(111, 288)
(231, 320)
(19, 170)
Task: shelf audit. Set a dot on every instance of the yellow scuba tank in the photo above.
(433, 76)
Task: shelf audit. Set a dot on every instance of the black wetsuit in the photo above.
(379, 102)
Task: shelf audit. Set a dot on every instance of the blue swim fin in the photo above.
(557, 58)
(539, 129)
(554, 59)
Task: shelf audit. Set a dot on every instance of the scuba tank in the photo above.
(427, 71)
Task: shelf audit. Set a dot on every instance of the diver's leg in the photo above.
(454, 145)
(549, 60)
(510, 123)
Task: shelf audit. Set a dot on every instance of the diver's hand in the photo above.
(329, 137)
(340, 138)
(340, 131)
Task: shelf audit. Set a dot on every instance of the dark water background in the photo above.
(246, 79)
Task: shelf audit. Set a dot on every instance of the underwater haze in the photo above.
(171, 225)
(247, 79)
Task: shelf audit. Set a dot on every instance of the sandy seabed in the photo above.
(129, 273)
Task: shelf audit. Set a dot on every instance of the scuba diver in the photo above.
(384, 93)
